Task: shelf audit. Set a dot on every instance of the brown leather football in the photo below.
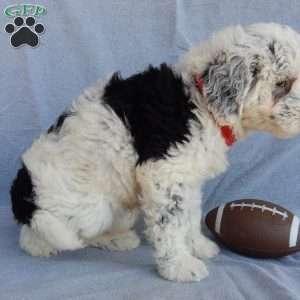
(255, 228)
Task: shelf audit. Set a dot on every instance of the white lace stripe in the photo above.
(219, 219)
(294, 231)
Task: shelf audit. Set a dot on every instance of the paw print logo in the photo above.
(24, 33)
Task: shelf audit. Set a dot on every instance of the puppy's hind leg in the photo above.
(32, 243)
(121, 236)
(47, 235)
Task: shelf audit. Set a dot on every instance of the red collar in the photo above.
(226, 131)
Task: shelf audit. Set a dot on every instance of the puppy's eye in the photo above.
(283, 88)
(286, 85)
(282, 84)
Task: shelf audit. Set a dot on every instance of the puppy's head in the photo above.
(251, 77)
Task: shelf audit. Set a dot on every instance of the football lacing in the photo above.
(263, 208)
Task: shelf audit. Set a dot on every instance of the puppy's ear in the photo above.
(227, 81)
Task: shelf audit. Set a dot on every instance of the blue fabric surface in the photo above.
(84, 41)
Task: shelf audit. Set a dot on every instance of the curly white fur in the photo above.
(87, 184)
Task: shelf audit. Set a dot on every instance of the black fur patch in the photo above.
(22, 197)
(60, 121)
(154, 107)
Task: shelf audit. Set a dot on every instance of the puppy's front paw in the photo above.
(203, 247)
(185, 268)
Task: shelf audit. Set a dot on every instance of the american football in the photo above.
(255, 228)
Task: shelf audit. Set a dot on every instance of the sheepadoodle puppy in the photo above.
(150, 142)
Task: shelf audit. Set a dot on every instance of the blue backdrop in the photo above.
(84, 41)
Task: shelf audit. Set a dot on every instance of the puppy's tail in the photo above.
(55, 232)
